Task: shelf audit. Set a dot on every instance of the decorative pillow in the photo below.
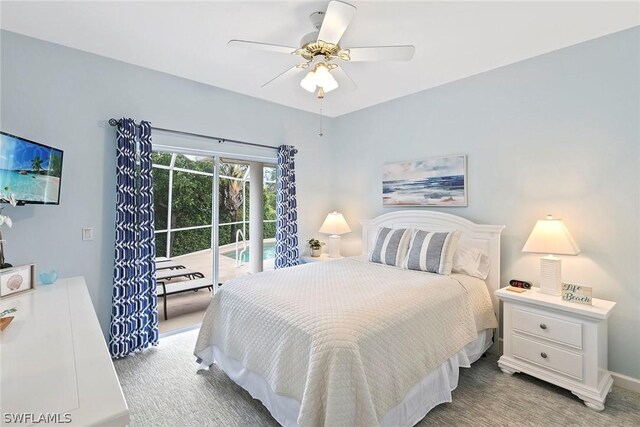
(432, 252)
(471, 261)
(391, 246)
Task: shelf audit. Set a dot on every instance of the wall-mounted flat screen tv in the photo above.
(29, 170)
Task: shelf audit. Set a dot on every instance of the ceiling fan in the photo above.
(320, 49)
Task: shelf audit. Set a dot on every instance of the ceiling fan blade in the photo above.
(381, 53)
(344, 81)
(261, 46)
(290, 72)
(335, 22)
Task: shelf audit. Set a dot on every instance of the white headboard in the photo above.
(485, 237)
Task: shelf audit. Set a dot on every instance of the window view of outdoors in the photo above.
(183, 193)
(188, 192)
(234, 217)
(191, 203)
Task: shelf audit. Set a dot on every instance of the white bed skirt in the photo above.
(433, 390)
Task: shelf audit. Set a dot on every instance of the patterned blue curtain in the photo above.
(287, 252)
(134, 313)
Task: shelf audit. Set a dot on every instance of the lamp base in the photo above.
(550, 275)
(334, 246)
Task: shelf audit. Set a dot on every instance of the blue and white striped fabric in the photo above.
(391, 246)
(432, 252)
(287, 252)
(134, 314)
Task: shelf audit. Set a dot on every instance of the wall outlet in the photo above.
(87, 233)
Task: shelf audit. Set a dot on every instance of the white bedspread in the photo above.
(347, 339)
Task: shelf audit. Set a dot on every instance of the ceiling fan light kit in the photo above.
(321, 47)
(319, 78)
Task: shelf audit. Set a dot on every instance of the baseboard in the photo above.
(619, 380)
(626, 382)
(496, 347)
(178, 331)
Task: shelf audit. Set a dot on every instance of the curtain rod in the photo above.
(114, 122)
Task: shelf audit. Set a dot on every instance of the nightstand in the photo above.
(307, 258)
(559, 342)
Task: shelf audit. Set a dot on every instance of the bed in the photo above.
(353, 343)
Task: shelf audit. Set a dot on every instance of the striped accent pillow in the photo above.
(391, 246)
(432, 252)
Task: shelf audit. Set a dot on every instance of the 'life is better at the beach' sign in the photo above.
(576, 293)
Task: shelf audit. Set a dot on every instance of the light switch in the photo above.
(87, 233)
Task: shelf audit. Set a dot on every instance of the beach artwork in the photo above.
(437, 181)
(29, 170)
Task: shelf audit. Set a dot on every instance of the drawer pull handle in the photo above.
(543, 355)
(543, 326)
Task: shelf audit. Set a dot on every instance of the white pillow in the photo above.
(432, 252)
(391, 246)
(471, 261)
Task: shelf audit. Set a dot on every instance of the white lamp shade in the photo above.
(322, 75)
(319, 77)
(334, 224)
(330, 84)
(309, 82)
(550, 236)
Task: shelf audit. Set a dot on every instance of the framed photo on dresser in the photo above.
(15, 280)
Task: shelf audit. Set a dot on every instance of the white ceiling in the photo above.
(453, 40)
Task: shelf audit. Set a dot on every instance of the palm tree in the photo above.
(231, 191)
(55, 165)
(36, 164)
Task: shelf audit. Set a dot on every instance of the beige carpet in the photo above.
(162, 388)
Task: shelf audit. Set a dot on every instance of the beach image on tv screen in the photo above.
(30, 171)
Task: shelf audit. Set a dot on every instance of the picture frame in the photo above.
(16, 280)
(577, 293)
(432, 182)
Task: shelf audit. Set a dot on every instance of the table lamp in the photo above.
(550, 236)
(334, 225)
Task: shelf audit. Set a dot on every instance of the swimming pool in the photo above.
(268, 252)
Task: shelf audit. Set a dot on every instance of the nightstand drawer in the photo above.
(551, 328)
(550, 357)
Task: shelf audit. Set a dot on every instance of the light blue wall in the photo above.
(63, 97)
(559, 133)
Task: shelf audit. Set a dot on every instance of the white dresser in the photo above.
(563, 343)
(54, 362)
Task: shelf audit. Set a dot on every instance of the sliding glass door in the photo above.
(233, 233)
(203, 222)
(269, 217)
(234, 212)
(183, 209)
